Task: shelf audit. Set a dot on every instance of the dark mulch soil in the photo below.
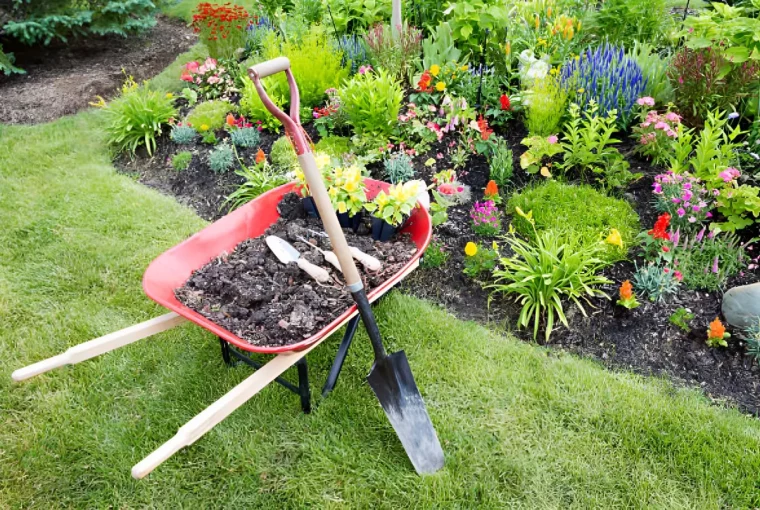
(252, 294)
(62, 80)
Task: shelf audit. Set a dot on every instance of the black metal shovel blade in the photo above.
(393, 383)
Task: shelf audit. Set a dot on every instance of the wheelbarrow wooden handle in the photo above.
(219, 410)
(98, 346)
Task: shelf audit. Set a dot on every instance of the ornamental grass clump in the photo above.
(485, 218)
(609, 77)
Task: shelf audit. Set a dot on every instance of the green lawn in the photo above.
(521, 426)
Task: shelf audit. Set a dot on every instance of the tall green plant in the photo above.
(371, 102)
(622, 22)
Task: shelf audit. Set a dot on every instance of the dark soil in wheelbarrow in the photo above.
(250, 293)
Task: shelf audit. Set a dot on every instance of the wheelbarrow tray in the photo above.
(175, 266)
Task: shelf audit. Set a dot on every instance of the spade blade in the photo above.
(393, 383)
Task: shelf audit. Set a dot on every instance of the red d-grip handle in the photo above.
(292, 123)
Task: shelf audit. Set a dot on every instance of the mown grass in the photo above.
(521, 426)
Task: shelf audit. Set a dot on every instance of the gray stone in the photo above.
(741, 305)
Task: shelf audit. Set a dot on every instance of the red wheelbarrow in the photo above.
(170, 271)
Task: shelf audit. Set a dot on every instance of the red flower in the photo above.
(665, 249)
(424, 84)
(505, 103)
(485, 131)
(660, 230)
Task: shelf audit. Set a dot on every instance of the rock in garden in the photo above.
(741, 305)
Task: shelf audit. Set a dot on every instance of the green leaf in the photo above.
(465, 30)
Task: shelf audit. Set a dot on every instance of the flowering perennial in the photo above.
(221, 27)
(485, 218)
(716, 334)
(209, 79)
(684, 197)
(627, 297)
(660, 230)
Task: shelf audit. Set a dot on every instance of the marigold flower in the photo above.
(260, 157)
(435, 69)
(470, 249)
(440, 86)
(204, 127)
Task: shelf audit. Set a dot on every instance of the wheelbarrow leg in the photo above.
(303, 385)
(225, 352)
(340, 358)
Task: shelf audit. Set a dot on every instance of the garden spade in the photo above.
(391, 377)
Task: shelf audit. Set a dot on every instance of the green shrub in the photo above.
(183, 135)
(582, 210)
(623, 21)
(399, 168)
(547, 270)
(181, 160)
(258, 179)
(655, 281)
(137, 117)
(282, 155)
(252, 107)
(316, 64)
(435, 255)
(209, 115)
(245, 137)
(501, 162)
(356, 16)
(654, 66)
(221, 158)
(371, 102)
(546, 106)
(335, 146)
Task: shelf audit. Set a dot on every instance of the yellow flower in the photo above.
(464, 68)
(549, 11)
(495, 246)
(577, 57)
(440, 86)
(581, 90)
(470, 249)
(322, 160)
(554, 71)
(545, 172)
(614, 238)
(204, 127)
(435, 69)
(542, 42)
(169, 95)
(508, 48)
(381, 199)
(528, 216)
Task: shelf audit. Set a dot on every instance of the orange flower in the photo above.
(491, 189)
(717, 330)
(230, 119)
(260, 157)
(626, 290)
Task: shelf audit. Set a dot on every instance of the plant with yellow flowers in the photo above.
(396, 205)
(543, 28)
(346, 190)
(438, 79)
(324, 165)
(480, 259)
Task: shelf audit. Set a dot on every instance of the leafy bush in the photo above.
(654, 67)
(501, 164)
(655, 133)
(607, 76)
(253, 108)
(314, 61)
(655, 281)
(282, 155)
(210, 79)
(137, 117)
(681, 318)
(221, 27)
(258, 179)
(435, 255)
(335, 146)
(753, 341)
(545, 106)
(439, 48)
(181, 160)
(355, 16)
(183, 134)
(398, 168)
(209, 115)
(479, 259)
(396, 54)
(543, 272)
(705, 80)
(624, 22)
(41, 21)
(371, 102)
(685, 198)
(555, 206)
(470, 19)
(245, 137)
(221, 158)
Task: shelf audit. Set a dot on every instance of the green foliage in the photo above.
(501, 163)
(209, 138)
(181, 160)
(733, 29)
(254, 109)
(707, 262)
(396, 53)
(681, 318)
(483, 261)
(137, 117)
(438, 208)
(654, 67)
(6, 63)
(556, 207)
(42, 21)
(315, 62)
(545, 106)
(471, 18)
(245, 137)
(183, 135)
(622, 22)
(655, 281)
(398, 168)
(282, 155)
(435, 255)
(209, 115)
(753, 341)
(371, 102)
(335, 146)
(540, 151)
(439, 48)
(543, 272)
(356, 16)
(587, 144)
(221, 158)
(258, 179)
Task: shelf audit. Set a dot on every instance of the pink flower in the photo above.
(552, 139)
(213, 79)
(673, 117)
(646, 124)
(645, 101)
(692, 219)
(657, 188)
(680, 212)
(687, 196)
(661, 125)
(680, 80)
(695, 208)
(192, 66)
(364, 69)
(210, 63)
(687, 185)
(671, 134)
(439, 156)
(675, 200)
(678, 275)
(186, 77)
(729, 174)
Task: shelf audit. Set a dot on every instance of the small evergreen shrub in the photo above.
(579, 210)
(181, 160)
(245, 137)
(282, 155)
(209, 115)
(221, 158)
(183, 135)
(398, 168)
